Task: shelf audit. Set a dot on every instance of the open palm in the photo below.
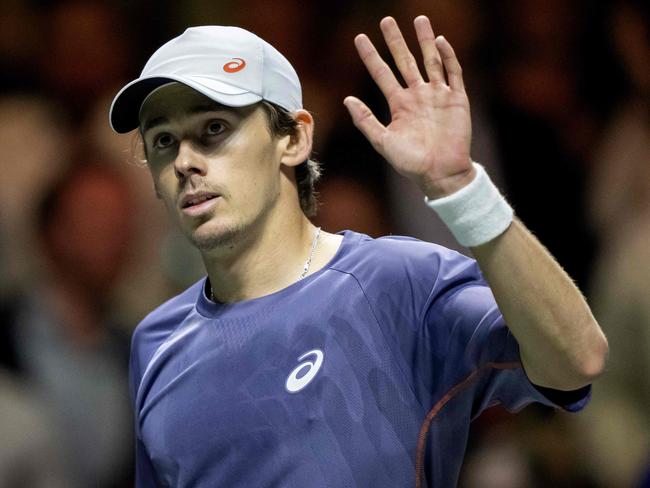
(429, 135)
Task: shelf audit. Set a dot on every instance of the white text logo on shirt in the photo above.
(294, 384)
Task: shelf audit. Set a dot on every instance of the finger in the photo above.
(377, 67)
(452, 66)
(365, 121)
(430, 54)
(406, 63)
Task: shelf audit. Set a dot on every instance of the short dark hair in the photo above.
(282, 123)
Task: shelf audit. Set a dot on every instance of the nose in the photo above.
(189, 161)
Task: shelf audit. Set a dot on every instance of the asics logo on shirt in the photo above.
(302, 375)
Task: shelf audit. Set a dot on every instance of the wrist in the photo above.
(476, 213)
(434, 189)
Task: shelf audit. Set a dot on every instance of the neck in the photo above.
(264, 259)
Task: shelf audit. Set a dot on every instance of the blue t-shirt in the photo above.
(366, 373)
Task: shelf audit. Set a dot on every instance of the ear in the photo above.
(298, 149)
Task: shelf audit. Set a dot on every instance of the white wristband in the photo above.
(475, 214)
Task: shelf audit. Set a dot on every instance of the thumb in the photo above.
(365, 121)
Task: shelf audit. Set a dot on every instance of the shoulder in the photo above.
(405, 274)
(400, 257)
(161, 323)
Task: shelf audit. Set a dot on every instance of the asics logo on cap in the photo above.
(308, 369)
(237, 64)
(205, 58)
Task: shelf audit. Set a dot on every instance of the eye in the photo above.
(215, 127)
(163, 141)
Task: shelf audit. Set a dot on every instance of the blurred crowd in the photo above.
(560, 96)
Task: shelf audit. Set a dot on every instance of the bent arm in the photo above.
(561, 344)
(428, 140)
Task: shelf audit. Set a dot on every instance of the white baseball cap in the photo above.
(229, 65)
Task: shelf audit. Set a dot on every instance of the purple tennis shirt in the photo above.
(366, 373)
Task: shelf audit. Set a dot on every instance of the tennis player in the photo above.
(310, 359)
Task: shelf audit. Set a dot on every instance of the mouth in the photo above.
(197, 203)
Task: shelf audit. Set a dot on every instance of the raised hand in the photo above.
(429, 135)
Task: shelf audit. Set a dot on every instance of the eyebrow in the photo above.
(196, 109)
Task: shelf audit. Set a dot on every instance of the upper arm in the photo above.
(476, 346)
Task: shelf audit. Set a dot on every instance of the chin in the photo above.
(210, 236)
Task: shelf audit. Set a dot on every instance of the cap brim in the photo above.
(124, 114)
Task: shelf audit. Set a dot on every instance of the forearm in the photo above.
(562, 345)
(428, 139)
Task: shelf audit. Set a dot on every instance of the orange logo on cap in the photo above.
(233, 66)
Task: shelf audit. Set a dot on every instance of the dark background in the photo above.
(560, 94)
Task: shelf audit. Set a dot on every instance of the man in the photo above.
(311, 359)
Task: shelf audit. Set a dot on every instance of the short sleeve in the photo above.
(145, 475)
(476, 350)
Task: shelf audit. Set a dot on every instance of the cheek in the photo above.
(262, 182)
(254, 174)
(164, 185)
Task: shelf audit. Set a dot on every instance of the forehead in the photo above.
(175, 101)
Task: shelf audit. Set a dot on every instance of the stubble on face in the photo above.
(226, 237)
(236, 217)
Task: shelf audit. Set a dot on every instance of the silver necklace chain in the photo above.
(314, 243)
(305, 268)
